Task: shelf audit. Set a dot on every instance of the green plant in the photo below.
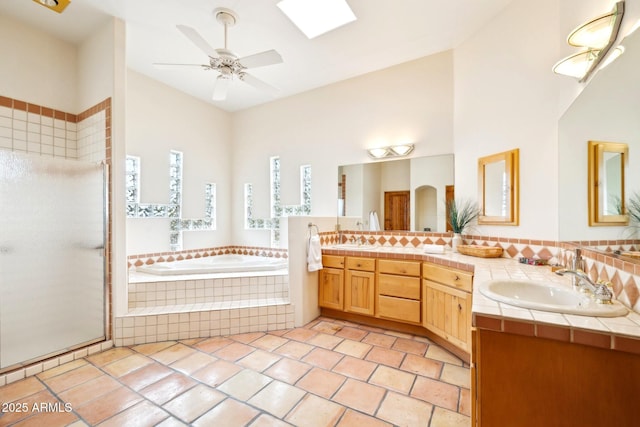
(461, 213)
(633, 209)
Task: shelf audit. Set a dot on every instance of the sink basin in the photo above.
(557, 299)
(354, 247)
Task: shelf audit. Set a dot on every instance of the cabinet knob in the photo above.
(457, 278)
(459, 307)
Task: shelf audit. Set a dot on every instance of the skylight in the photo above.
(316, 17)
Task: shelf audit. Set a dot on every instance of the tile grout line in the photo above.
(192, 345)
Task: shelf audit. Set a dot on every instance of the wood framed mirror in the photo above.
(498, 188)
(607, 167)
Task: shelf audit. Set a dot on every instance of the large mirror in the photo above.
(498, 188)
(607, 167)
(406, 194)
(606, 110)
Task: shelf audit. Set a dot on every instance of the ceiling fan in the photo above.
(225, 62)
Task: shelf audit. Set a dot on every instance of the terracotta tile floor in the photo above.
(327, 373)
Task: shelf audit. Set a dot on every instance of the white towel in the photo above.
(374, 225)
(433, 249)
(314, 254)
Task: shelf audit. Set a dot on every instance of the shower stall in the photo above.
(53, 216)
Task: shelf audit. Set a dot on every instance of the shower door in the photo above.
(52, 261)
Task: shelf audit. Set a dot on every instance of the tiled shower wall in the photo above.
(36, 129)
(31, 128)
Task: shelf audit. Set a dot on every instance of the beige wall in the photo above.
(37, 68)
(334, 125)
(161, 119)
(506, 98)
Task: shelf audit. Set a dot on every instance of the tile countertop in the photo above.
(620, 333)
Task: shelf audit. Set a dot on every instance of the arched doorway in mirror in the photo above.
(426, 207)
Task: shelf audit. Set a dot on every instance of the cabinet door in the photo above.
(359, 292)
(447, 312)
(331, 288)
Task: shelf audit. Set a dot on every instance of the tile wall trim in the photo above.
(27, 107)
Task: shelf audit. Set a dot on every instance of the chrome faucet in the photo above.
(600, 291)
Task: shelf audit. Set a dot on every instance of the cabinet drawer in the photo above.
(332, 261)
(406, 268)
(451, 277)
(406, 310)
(399, 286)
(364, 264)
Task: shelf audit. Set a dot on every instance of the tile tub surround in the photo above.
(325, 373)
(218, 290)
(148, 259)
(200, 321)
(200, 306)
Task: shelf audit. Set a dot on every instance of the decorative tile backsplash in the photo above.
(624, 275)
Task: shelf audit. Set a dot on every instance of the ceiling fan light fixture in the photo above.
(316, 17)
(225, 62)
(55, 5)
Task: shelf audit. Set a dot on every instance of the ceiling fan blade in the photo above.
(172, 66)
(220, 88)
(261, 59)
(258, 84)
(197, 39)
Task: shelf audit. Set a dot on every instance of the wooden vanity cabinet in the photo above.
(528, 381)
(398, 294)
(359, 285)
(331, 282)
(447, 304)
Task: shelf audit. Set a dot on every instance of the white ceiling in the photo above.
(387, 32)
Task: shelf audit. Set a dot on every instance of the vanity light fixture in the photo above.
(55, 5)
(400, 150)
(316, 17)
(597, 37)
